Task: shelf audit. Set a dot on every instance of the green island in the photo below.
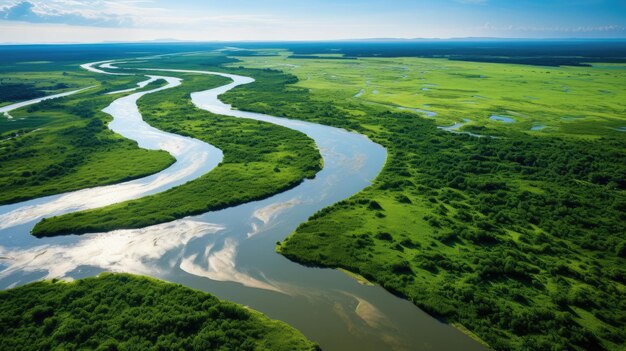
(127, 312)
(63, 144)
(516, 235)
(260, 159)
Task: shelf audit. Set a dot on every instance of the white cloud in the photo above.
(52, 12)
(126, 14)
(612, 28)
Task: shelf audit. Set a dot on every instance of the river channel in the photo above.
(231, 253)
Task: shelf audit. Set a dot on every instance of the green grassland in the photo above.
(64, 144)
(126, 312)
(260, 159)
(518, 238)
(571, 100)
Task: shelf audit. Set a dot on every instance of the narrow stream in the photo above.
(15, 106)
(230, 253)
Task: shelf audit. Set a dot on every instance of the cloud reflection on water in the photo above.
(130, 250)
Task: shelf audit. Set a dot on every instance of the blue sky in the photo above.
(128, 20)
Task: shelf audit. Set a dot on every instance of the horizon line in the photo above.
(391, 39)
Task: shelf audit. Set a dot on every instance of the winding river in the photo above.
(230, 253)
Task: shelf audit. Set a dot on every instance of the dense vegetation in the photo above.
(17, 92)
(260, 159)
(126, 312)
(24, 57)
(535, 52)
(519, 238)
(64, 144)
(530, 52)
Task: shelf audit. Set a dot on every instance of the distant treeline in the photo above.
(531, 52)
(541, 53)
(321, 57)
(11, 54)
